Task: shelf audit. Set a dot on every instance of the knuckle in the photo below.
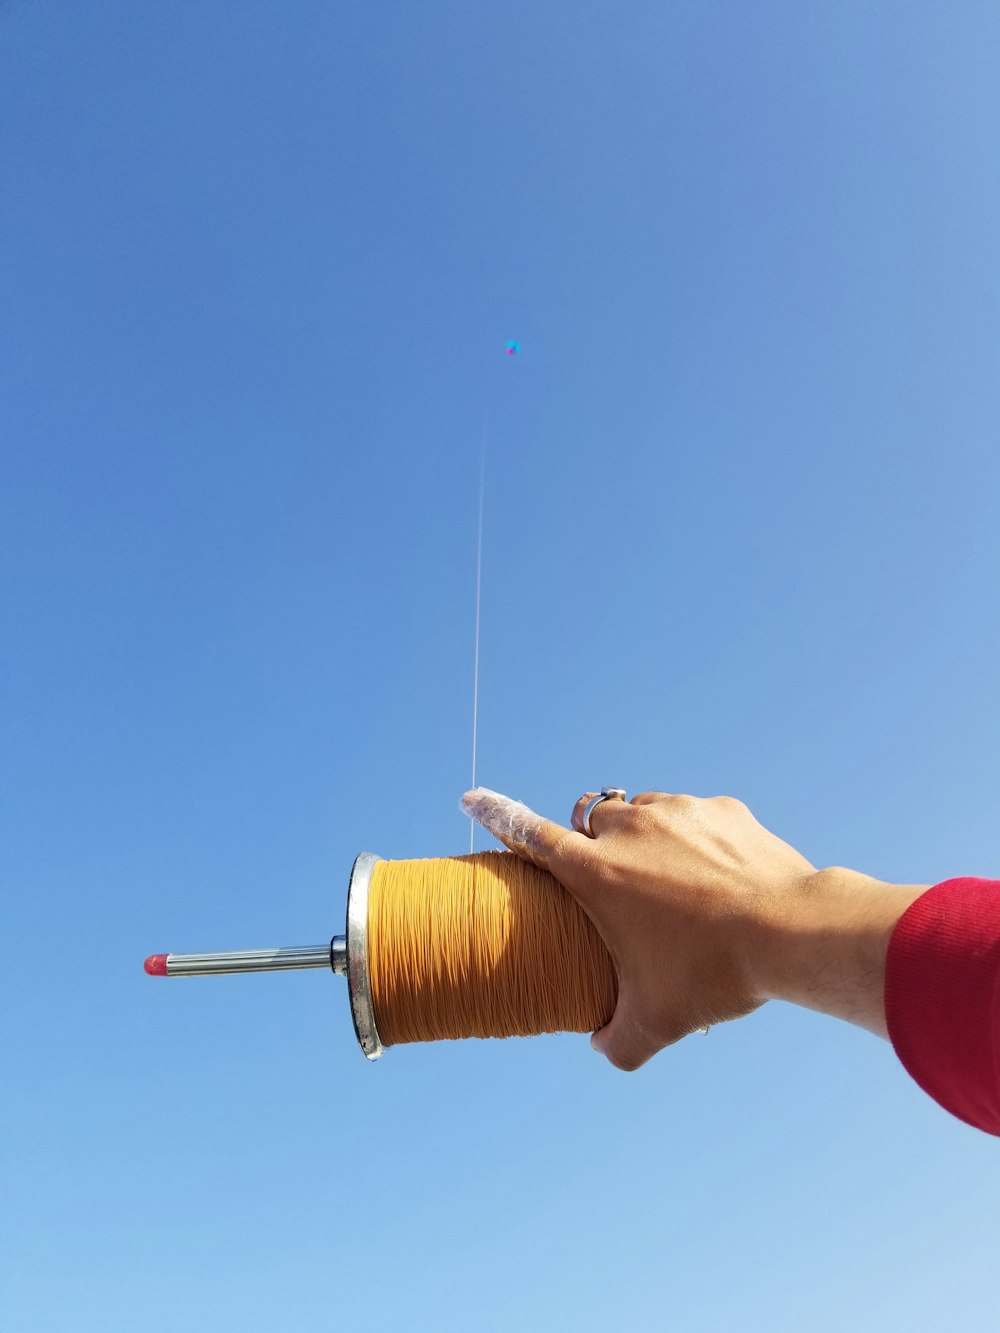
(635, 1045)
(553, 842)
(669, 809)
(646, 797)
(678, 801)
(730, 802)
(626, 1061)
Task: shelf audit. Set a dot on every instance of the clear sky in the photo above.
(259, 265)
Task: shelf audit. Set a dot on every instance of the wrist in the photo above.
(827, 951)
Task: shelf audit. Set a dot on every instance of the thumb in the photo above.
(623, 1041)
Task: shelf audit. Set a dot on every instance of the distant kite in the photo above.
(512, 348)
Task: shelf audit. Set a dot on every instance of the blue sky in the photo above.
(259, 265)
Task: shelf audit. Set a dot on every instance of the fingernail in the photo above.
(595, 1045)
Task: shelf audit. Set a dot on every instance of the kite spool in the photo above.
(484, 945)
(467, 946)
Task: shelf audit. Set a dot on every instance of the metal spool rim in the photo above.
(358, 980)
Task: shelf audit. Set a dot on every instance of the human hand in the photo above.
(706, 914)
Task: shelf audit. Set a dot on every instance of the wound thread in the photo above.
(482, 946)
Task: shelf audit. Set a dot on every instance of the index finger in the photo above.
(538, 840)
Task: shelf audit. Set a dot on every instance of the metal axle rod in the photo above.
(332, 955)
(346, 955)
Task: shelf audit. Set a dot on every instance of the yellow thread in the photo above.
(482, 946)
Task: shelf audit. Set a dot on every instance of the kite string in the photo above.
(479, 601)
(511, 349)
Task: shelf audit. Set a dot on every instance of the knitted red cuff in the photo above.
(942, 997)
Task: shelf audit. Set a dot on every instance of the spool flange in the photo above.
(358, 980)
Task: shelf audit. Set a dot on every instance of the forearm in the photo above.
(828, 952)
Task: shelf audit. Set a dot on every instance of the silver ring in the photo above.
(607, 794)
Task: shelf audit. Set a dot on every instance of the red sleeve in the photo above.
(942, 997)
